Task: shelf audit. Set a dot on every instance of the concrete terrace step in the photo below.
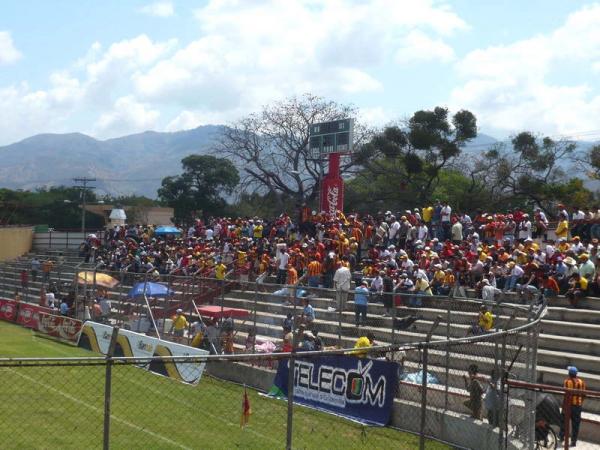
(460, 321)
(274, 314)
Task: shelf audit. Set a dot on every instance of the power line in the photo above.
(83, 185)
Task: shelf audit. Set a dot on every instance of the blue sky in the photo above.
(117, 67)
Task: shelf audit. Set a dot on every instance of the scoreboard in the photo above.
(330, 137)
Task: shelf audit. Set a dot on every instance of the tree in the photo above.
(530, 170)
(413, 155)
(378, 194)
(271, 146)
(200, 189)
(589, 161)
(58, 207)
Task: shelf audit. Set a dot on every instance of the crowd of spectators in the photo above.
(427, 251)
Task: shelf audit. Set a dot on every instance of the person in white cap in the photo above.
(488, 292)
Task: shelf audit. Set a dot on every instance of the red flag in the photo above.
(246, 411)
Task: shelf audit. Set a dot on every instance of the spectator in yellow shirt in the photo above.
(258, 231)
(577, 290)
(562, 229)
(180, 324)
(364, 342)
(220, 271)
(447, 283)
(485, 322)
(427, 214)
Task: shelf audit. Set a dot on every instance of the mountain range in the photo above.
(133, 164)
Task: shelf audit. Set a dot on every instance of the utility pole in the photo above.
(83, 185)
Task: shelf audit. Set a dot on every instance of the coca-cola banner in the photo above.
(332, 195)
(29, 313)
(8, 310)
(59, 326)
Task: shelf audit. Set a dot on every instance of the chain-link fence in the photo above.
(452, 355)
(112, 401)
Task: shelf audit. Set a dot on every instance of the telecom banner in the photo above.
(59, 326)
(8, 310)
(358, 388)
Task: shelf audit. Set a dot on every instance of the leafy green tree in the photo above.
(416, 153)
(201, 188)
(58, 207)
(530, 169)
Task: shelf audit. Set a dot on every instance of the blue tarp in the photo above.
(152, 290)
(160, 231)
(417, 377)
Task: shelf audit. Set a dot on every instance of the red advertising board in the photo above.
(8, 310)
(332, 198)
(59, 326)
(332, 187)
(28, 314)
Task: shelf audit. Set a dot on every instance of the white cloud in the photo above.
(513, 87)
(92, 88)
(375, 116)
(8, 52)
(246, 54)
(158, 9)
(251, 53)
(188, 119)
(420, 47)
(127, 116)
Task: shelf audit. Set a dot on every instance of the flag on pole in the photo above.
(246, 410)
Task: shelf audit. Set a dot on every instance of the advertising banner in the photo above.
(332, 196)
(358, 388)
(136, 345)
(96, 337)
(28, 315)
(59, 326)
(186, 372)
(8, 310)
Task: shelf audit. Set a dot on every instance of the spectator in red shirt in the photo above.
(550, 286)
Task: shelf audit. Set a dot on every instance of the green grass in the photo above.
(62, 407)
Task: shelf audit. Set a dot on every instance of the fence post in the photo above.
(254, 313)
(425, 348)
(290, 391)
(503, 412)
(393, 321)
(222, 295)
(567, 402)
(108, 387)
(423, 397)
(338, 293)
(529, 397)
(447, 358)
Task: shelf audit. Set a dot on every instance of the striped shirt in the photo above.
(314, 269)
(578, 384)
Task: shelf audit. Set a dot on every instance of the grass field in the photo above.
(62, 407)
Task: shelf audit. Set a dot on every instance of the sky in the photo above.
(118, 67)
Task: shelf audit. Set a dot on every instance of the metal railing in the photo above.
(433, 340)
(109, 400)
